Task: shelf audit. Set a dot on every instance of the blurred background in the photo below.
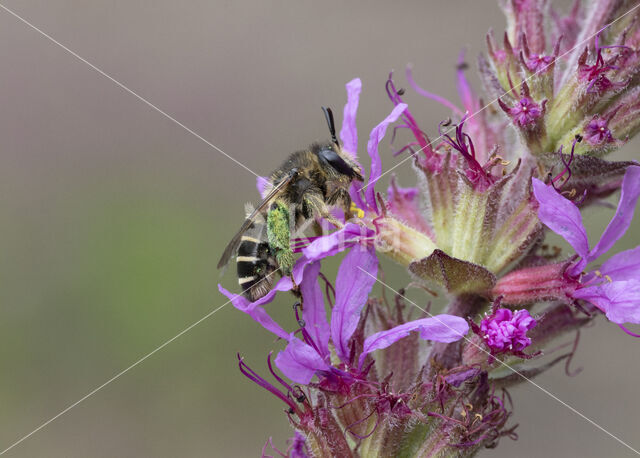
(112, 217)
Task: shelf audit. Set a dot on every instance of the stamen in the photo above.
(570, 357)
(273, 372)
(632, 334)
(354, 209)
(254, 377)
(407, 117)
(567, 164)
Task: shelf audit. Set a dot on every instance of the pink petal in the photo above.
(337, 241)
(430, 95)
(259, 314)
(377, 134)
(299, 362)
(356, 277)
(440, 328)
(561, 216)
(624, 214)
(623, 266)
(349, 131)
(314, 313)
(619, 300)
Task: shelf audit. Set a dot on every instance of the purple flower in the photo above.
(595, 76)
(476, 173)
(356, 276)
(538, 62)
(507, 331)
(309, 355)
(615, 288)
(349, 137)
(353, 371)
(597, 131)
(301, 359)
(525, 112)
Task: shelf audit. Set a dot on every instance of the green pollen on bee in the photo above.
(279, 235)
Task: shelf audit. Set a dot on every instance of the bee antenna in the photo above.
(328, 114)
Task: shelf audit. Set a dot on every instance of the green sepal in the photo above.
(455, 275)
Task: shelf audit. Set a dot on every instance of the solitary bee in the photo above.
(305, 186)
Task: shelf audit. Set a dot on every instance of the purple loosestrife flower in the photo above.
(362, 375)
(595, 75)
(502, 332)
(507, 331)
(469, 221)
(597, 131)
(525, 112)
(335, 352)
(614, 288)
(356, 276)
(538, 62)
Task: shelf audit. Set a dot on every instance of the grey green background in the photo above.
(112, 217)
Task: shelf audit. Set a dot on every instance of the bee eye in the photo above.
(333, 159)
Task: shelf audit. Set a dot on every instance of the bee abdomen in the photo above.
(255, 263)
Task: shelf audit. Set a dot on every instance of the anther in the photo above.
(299, 394)
(297, 306)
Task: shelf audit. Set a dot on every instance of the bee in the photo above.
(307, 185)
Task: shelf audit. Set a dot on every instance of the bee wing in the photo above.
(235, 241)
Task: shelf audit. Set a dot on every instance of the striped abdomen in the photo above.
(256, 265)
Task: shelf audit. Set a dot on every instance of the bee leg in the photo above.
(329, 217)
(341, 197)
(317, 207)
(278, 234)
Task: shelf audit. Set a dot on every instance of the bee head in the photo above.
(333, 155)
